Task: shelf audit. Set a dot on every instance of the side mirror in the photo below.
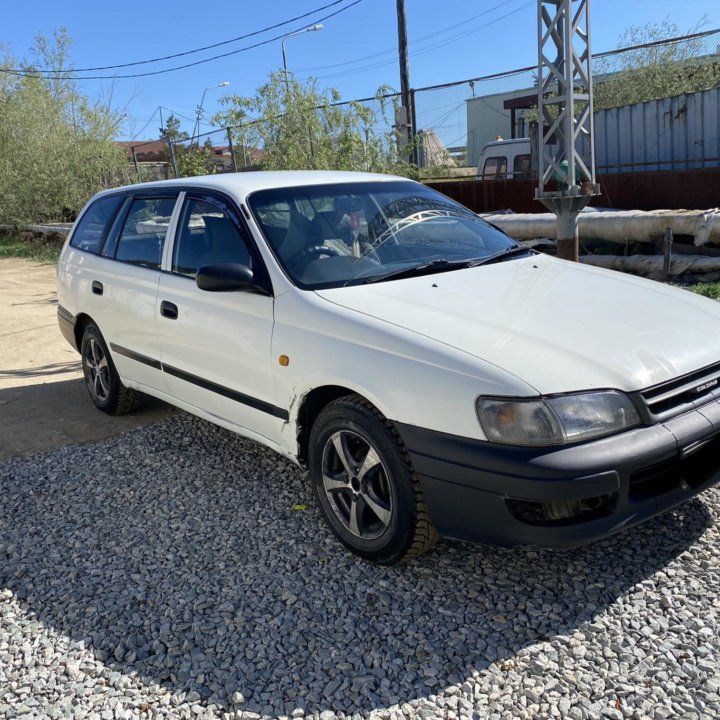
(228, 277)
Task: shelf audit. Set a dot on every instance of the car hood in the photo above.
(558, 326)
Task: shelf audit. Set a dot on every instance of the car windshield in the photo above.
(352, 233)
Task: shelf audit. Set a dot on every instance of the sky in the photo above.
(355, 53)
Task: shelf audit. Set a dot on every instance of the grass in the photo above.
(711, 290)
(38, 249)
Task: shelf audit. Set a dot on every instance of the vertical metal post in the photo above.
(232, 149)
(565, 115)
(135, 162)
(173, 159)
(413, 127)
(405, 116)
(667, 249)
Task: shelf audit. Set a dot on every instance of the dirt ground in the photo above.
(43, 400)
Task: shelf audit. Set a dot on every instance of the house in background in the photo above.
(153, 151)
(154, 159)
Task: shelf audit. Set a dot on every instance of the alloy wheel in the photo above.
(97, 372)
(356, 484)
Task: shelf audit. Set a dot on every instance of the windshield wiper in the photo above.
(442, 265)
(507, 252)
(439, 265)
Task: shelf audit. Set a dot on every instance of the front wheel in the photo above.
(101, 378)
(365, 485)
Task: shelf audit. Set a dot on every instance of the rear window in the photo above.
(495, 168)
(90, 230)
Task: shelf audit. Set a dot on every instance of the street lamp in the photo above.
(199, 112)
(312, 28)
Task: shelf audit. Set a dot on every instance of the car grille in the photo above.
(680, 395)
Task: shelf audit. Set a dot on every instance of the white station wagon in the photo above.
(433, 375)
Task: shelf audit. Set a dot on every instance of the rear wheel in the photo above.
(365, 484)
(101, 378)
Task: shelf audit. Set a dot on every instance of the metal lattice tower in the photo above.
(565, 109)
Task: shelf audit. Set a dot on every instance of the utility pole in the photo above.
(565, 116)
(402, 120)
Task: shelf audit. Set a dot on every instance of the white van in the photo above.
(505, 160)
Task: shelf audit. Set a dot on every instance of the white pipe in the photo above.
(652, 265)
(621, 226)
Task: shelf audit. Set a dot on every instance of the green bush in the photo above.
(56, 147)
(711, 290)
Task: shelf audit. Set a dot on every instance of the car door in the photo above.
(125, 283)
(216, 345)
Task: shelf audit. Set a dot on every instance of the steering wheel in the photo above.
(312, 251)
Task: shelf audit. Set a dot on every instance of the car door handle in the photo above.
(97, 287)
(168, 310)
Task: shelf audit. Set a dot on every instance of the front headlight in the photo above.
(556, 420)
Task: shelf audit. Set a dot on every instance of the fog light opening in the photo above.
(561, 512)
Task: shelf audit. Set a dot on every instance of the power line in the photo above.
(481, 78)
(186, 117)
(188, 52)
(393, 51)
(67, 74)
(429, 48)
(150, 119)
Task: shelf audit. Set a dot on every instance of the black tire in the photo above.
(101, 378)
(372, 503)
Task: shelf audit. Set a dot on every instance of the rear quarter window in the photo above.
(91, 229)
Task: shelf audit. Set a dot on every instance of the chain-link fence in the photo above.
(463, 117)
(453, 122)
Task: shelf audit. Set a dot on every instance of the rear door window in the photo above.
(91, 229)
(143, 234)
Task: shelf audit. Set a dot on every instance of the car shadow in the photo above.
(43, 415)
(225, 580)
(49, 298)
(42, 370)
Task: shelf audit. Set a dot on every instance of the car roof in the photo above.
(511, 141)
(244, 183)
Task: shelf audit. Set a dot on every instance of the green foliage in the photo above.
(711, 290)
(655, 72)
(192, 159)
(38, 249)
(56, 147)
(299, 129)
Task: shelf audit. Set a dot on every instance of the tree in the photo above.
(300, 127)
(56, 147)
(651, 73)
(191, 159)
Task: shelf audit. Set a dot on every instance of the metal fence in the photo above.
(467, 115)
(454, 121)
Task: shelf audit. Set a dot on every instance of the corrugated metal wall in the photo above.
(678, 133)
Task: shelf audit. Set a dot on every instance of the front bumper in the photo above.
(486, 492)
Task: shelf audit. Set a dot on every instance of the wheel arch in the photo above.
(81, 322)
(311, 405)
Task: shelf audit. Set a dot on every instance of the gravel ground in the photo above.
(165, 573)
